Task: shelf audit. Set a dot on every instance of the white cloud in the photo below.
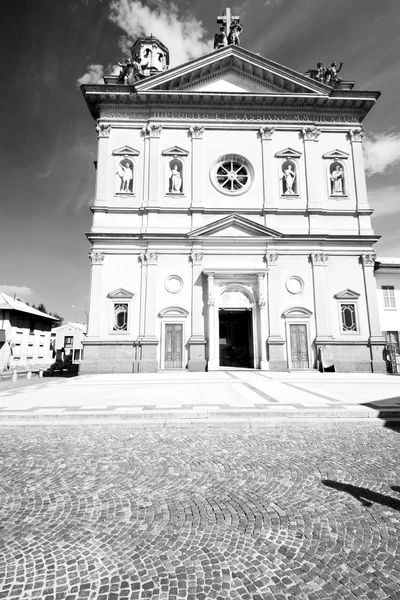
(381, 151)
(385, 200)
(19, 290)
(183, 34)
(94, 75)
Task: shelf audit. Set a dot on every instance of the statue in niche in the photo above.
(175, 179)
(234, 33)
(125, 174)
(220, 39)
(289, 178)
(337, 179)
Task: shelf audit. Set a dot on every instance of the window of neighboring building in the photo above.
(389, 300)
(29, 354)
(120, 317)
(41, 352)
(349, 319)
(17, 351)
(392, 337)
(68, 341)
(77, 354)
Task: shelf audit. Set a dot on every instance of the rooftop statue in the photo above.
(130, 71)
(220, 39)
(229, 32)
(234, 33)
(327, 75)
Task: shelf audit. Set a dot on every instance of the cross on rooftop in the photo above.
(227, 19)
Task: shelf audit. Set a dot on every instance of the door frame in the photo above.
(177, 316)
(297, 316)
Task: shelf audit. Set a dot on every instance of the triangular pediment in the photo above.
(347, 295)
(125, 151)
(288, 153)
(336, 154)
(233, 70)
(175, 151)
(234, 226)
(120, 293)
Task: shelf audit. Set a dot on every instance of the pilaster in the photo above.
(196, 133)
(152, 133)
(213, 359)
(197, 343)
(95, 304)
(319, 262)
(376, 339)
(103, 136)
(270, 192)
(147, 322)
(356, 137)
(275, 341)
(263, 321)
(312, 160)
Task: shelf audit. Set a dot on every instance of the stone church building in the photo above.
(231, 225)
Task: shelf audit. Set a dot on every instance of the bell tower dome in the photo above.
(151, 54)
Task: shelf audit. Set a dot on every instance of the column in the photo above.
(146, 164)
(196, 132)
(268, 172)
(213, 359)
(275, 340)
(263, 321)
(319, 262)
(103, 135)
(148, 340)
(376, 340)
(154, 164)
(197, 342)
(97, 260)
(356, 138)
(313, 169)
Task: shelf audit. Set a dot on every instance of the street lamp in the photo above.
(85, 311)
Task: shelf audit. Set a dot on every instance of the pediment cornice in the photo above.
(241, 224)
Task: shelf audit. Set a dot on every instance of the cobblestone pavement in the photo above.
(112, 512)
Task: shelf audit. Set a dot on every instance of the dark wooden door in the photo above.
(173, 346)
(298, 347)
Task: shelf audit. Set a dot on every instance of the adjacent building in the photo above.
(231, 224)
(66, 340)
(24, 335)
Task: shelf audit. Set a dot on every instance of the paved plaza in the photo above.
(241, 395)
(114, 511)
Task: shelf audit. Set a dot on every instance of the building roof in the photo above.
(75, 325)
(8, 303)
(387, 262)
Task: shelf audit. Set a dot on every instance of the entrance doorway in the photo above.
(298, 346)
(173, 346)
(235, 338)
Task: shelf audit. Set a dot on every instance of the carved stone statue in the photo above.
(220, 39)
(289, 177)
(175, 180)
(337, 177)
(234, 33)
(125, 173)
(326, 75)
(130, 71)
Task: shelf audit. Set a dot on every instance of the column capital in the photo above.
(271, 258)
(97, 258)
(196, 257)
(148, 258)
(357, 135)
(151, 130)
(196, 131)
(319, 259)
(265, 133)
(368, 260)
(311, 134)
(103, 130)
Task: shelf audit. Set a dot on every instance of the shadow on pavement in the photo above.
(389, 411)
(363, 495)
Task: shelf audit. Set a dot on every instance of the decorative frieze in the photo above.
(266, 133)
(196, 257)
(319, 259)
(196, 131)
(97, 258)
(311, 134)
(103, 130)
(152, 130)
(271, 258)
(357, 135)
(368, 260)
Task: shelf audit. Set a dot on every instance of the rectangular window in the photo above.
(77, 354)
(389, 300)
(41, 352)
(348, 313)
(17, 351)
(68, 341)
(392, 337)
(30, 351)
(120, 317)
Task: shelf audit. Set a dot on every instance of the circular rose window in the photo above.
(232, 174)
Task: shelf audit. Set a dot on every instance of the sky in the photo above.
(49, 47)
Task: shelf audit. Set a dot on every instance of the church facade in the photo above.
(231, 225)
